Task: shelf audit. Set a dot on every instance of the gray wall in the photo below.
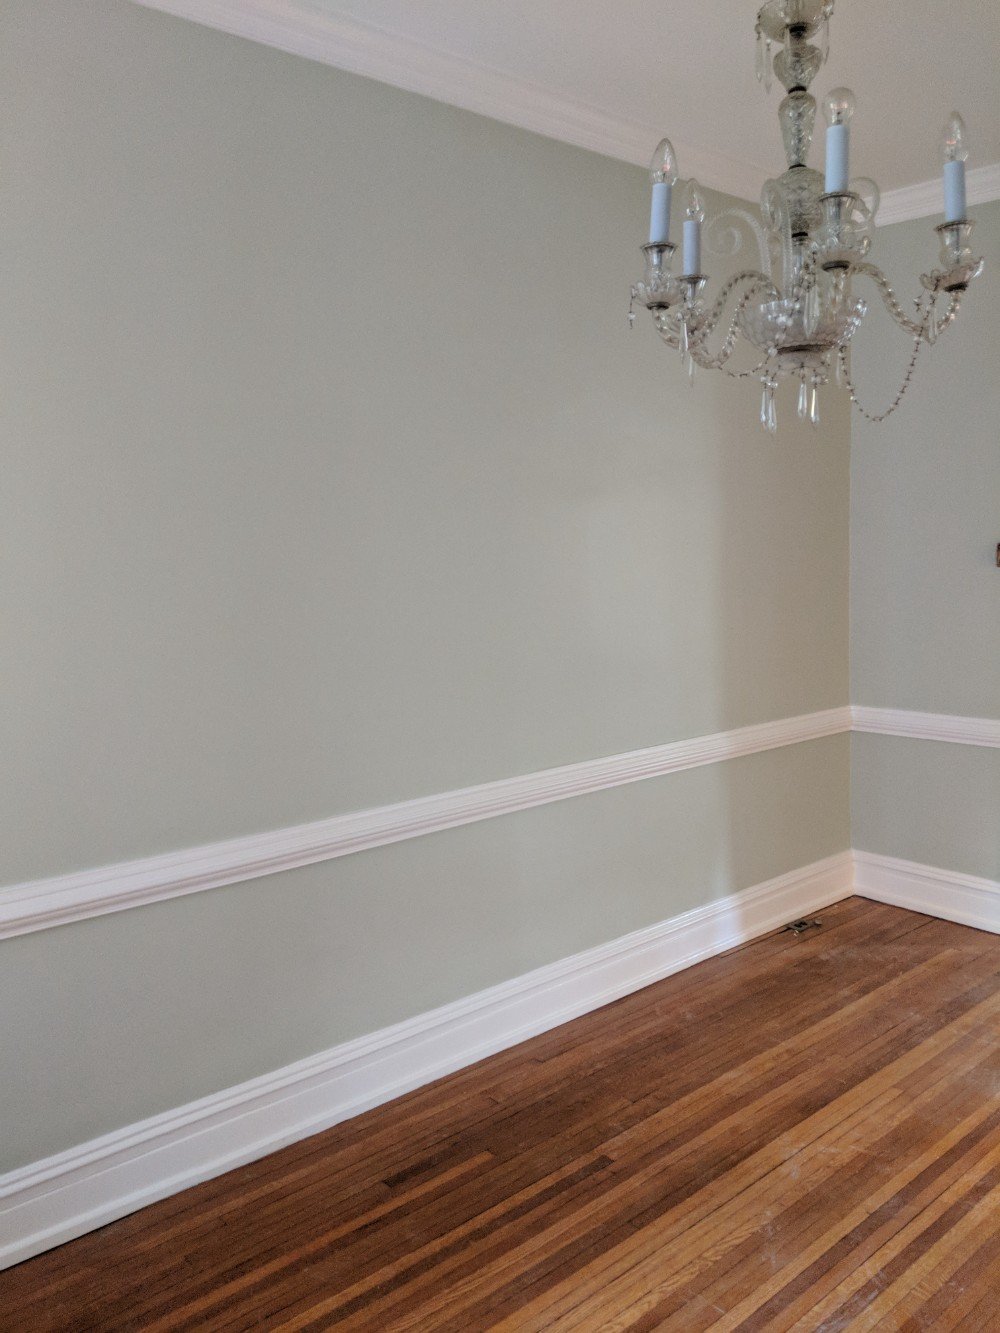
(925, 590)
(332, 477)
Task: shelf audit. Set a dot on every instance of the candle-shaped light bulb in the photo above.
(953, 140)
(662, 174)
(838, 107)
(955, 153)
(694, 203)
(694, 216)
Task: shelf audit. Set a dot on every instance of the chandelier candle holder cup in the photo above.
(798, 309)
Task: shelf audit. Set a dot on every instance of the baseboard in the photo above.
(967, 899)
(51, 1201)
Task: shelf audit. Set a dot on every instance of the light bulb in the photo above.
(953, 139)
(694, 204)
(663, 167)
(838, 106)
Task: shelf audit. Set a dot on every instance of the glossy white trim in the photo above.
(41, 903)
(927, 726)
(53, 1200)
(347, 43)
(926, 198)
(968, 899)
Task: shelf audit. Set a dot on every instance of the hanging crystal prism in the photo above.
(763, 407)
(803, 399)
(932, 321)
(768, 66)
(811, 309)
(759, 57)
(838, 368)
(814, 404)
(824, 40)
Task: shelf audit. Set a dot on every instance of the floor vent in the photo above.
(800, 927)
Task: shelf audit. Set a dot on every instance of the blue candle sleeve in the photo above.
(659, 214)
(954, 192)
(838, 141)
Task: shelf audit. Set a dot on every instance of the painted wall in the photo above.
(333, 476)
(925, 589)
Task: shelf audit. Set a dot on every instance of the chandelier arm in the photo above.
(948, 318)
(670, 335)
(728, 346)
(917, 328)
(698, 347)
(760, 282)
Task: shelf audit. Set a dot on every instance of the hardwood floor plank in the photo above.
(801, 1133)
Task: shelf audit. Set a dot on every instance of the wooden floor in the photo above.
(803, 1133)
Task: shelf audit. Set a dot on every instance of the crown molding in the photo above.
(346, 43)
(925, 199)
(301, 29)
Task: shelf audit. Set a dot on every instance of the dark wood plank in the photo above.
(802, 1133)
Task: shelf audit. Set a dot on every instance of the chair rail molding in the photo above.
(926, 726)
(303, 29)
(38, 904)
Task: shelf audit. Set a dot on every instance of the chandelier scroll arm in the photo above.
(759, 285)
(702, 325)
(916, 328)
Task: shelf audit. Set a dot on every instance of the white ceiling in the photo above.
(616, 76)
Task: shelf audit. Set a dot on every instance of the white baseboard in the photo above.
(51, 1201)
(967, 899)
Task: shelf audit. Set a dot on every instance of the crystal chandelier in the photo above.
(799, 310)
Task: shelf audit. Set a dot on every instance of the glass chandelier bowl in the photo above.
(785, 326)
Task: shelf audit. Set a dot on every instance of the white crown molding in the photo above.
(38, 904)
(926, 198)
(53, 1200)
(347, 43)
(967, 899)
(927, 726)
